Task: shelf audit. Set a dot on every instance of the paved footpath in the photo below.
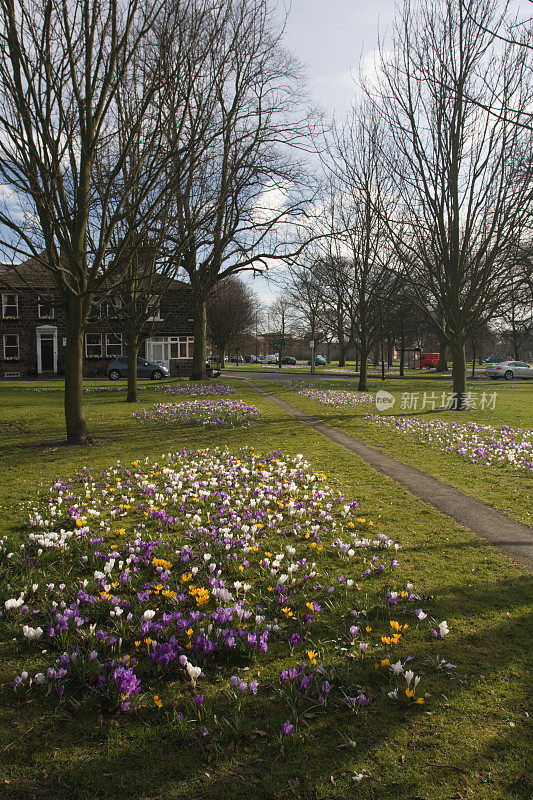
(494, 526)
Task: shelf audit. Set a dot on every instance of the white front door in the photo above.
(158, 352)
(46, 349)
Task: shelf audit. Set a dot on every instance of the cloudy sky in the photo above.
(332, 38)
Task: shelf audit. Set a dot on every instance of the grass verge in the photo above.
(467, 742)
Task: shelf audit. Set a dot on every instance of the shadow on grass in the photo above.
(87, 756)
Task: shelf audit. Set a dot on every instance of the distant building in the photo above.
(33, 330)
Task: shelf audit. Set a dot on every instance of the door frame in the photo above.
(48, 329)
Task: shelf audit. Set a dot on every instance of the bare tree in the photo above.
(365, 262)
(231, 313)
(61, 66)
(461, 183)
(515, 35)
(280, 322)
(241, 185)
(148, 267)
(304, 290)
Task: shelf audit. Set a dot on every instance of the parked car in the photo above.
(289, 360)
(320, 361)
(271, 359)
(509, 370)
(252, 359)
(236, 359)
(495, 359)
(118, 368)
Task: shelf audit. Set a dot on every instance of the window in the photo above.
(10, 306)
(182, 347)
(11, 346)
(113, 345)
(46, 308)
(93, 345)
(155, 307)
(113, 306)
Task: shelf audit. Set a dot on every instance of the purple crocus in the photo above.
(287, 728)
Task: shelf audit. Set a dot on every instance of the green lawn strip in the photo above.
(467, 741)
(504, 488)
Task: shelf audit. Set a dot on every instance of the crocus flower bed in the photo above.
(334, 397)
(480, 444)
(196, 388)
(202, 413)
(163, 587)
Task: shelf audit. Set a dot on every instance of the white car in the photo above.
(271, 359)
(509, 370)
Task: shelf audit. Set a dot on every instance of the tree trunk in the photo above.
(77, 432)
(390, 353)
(473, 360)
(442, 366)
(402, 349)
(221, 358)
(457, 347)
(376, 357)
(198, 360)
(133, 351)
(361, 387)
(356, 359)
(342, 355)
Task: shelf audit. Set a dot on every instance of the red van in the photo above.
(428, 360)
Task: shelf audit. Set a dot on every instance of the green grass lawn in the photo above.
(506, 489)
(467, 741)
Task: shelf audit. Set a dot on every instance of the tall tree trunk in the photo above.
(198, 360)
(457, 347)
(390, 353)
(342, 354)
(133, 351)
(221, 358)
(361, 387)
(402, 349)
(473, 359)
(442, 366)
(77, 432)
(376, 357)
(357, 359)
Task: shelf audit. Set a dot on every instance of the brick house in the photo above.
(33, 330)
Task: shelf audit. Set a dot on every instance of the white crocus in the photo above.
(33, 634)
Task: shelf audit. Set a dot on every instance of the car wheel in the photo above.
(157, 375)
(114, 375)
(428, 366)
(509, 375)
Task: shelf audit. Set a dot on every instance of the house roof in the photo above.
(33, 275)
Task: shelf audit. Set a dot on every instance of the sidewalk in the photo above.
(490, 524)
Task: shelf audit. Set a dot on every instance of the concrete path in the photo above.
(494, 526)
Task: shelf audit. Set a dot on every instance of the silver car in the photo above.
(509, 370)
